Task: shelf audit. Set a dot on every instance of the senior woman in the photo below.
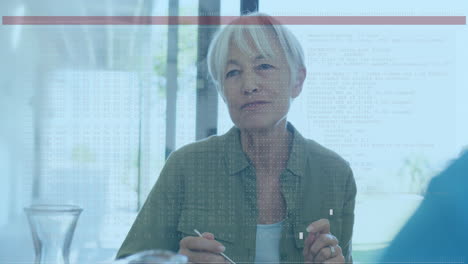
(261, 192)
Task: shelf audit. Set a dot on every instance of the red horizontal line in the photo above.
(223, 20)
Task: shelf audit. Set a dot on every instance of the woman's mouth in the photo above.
(254, 105)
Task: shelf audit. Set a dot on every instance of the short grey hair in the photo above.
(258, 32)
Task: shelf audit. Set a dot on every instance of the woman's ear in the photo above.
(297, 87)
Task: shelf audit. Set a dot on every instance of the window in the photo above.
(92, 113)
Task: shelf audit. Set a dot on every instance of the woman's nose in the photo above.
(250, 84)
(250, 90)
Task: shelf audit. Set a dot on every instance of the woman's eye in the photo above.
(264, 66)
(232, 73)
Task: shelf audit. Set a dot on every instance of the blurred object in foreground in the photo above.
(438, 231)
(154, 257)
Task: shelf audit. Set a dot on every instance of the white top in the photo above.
(267, 243)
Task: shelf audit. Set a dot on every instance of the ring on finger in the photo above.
(332, 251)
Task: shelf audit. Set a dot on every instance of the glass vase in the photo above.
(52, 228)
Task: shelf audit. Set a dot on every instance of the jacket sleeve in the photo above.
(348, 217)
(156, 224)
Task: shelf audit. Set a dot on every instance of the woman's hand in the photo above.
(320, 245)
(202, 249)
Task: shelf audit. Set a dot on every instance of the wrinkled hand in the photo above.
(317, 247)
(202, 249)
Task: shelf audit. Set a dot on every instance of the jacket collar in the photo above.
(236, 159)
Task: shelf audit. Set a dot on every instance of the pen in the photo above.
(222, 254)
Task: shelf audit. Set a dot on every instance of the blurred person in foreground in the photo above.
(438, 230)
(261, 192)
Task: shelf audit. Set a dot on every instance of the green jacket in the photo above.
(210, 185)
